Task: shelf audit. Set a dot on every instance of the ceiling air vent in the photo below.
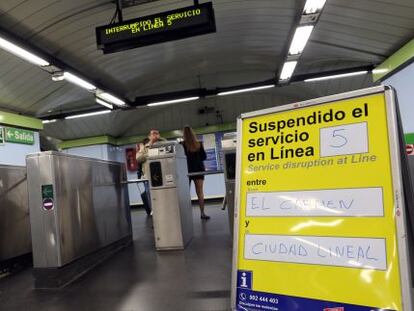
(206, 109)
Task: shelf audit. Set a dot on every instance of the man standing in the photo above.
(142, 154)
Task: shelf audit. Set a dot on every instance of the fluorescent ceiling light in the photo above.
(300, 39)
(87, 114)
(104, 103)
(174, 101)
(78, 81)
(251, 89)
(49, 121)
(378, 71)
(110, 98)
(344, 75)
(22, 53)
(58, 76)
(313, 6)
(287, 71)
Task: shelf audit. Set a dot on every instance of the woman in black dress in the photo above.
(195, 153)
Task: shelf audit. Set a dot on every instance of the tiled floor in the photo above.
(141, 279)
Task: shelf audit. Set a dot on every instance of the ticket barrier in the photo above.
(79, 214)
(409, 192)
(170, 196)
(15, 239)
(229, 146)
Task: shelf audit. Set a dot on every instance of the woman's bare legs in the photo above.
(198, 183)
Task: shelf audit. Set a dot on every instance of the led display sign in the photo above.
(167, 26)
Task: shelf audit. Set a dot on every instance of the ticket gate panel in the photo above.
(184, 199)
(230, 163)
(229, 144)
(163, 172)
(170, 193)
(89, 212)
(167, 221)
(15, 239)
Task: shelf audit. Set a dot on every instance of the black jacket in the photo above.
(195, 159)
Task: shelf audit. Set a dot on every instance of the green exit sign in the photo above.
(18, 136)
(47, 192)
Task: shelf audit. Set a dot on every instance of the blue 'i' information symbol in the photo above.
(244, 279)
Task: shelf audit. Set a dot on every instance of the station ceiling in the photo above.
(250, 45)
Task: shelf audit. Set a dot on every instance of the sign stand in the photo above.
(321, 221)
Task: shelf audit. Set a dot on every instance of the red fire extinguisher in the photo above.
(131, 159)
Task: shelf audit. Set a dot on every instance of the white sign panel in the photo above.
(364, 253)
(209, 141)
(344, 139)
(358, 202)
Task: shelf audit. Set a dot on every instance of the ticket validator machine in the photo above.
(170, 195)
(229, 146)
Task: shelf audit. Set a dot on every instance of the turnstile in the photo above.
(170, 195)
(79, 214)
(410, 204)
(15, 240)
(229, 146)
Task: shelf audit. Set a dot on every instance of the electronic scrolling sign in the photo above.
(167, 26)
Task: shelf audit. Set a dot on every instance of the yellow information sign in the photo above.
(320, 214)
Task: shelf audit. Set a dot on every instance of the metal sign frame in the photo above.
(397, 181)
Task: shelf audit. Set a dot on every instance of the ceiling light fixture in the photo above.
(380, 71)
(300, 39)
(49, 121)
(309, 18)
(22, 53)
(58, 76)
(103, 103)
(287, 71)
(251, 89)
(174, 101)
(109, 98)
(75, 116)
(313, 6)
(343, 75)
(78, 81)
